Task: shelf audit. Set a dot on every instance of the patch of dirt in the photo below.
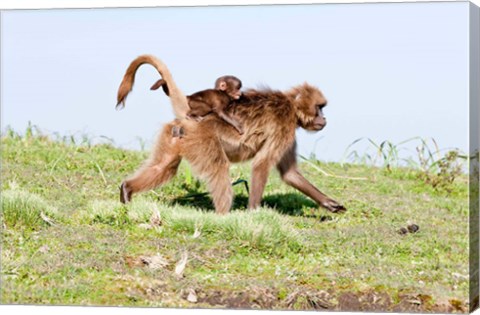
(256, 298)
(349, 301)
(296, 297)
(303, 299)
(382, 302)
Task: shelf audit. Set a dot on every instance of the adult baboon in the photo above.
(269, 119)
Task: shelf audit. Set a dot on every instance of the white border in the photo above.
(50, 4)
(55, 4)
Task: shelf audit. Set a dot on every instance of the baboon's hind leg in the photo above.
(149, 177)
(157, 170)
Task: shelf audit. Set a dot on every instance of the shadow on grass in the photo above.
(288, 204)
(203, 201)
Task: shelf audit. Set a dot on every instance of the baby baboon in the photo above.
(203, 103)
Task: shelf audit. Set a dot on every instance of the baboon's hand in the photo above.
(125, 194)
(333, 206)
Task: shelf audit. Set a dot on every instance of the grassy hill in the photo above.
(66, 239)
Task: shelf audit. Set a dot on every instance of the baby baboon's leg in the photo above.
(237, 125)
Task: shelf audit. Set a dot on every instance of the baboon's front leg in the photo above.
(291, 175)
(221, 191)
(260, 171)
(208, 160)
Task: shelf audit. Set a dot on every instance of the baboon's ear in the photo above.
(222, 86)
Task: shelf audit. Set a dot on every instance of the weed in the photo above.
(434, 169)
(448, 170)
(24, 210)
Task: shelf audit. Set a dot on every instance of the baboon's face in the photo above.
(309, 103)
(320, 121)
(233, 88)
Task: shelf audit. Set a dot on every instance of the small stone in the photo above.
(44, 249)
(180, 267)
(192, 296)
(154, 262)
(413, 228)
(402, 231)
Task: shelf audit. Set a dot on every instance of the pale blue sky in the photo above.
(389, 71)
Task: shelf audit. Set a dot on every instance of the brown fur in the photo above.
(177, 98)
(203, 103)
(269, 119)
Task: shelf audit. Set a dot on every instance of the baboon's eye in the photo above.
(322, 105)
(320, 108)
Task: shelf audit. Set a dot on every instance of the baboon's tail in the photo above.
(177, 98)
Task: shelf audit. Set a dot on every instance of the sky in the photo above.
(390, 71)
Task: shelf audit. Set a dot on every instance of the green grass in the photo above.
(66, 239)
(24, 210)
